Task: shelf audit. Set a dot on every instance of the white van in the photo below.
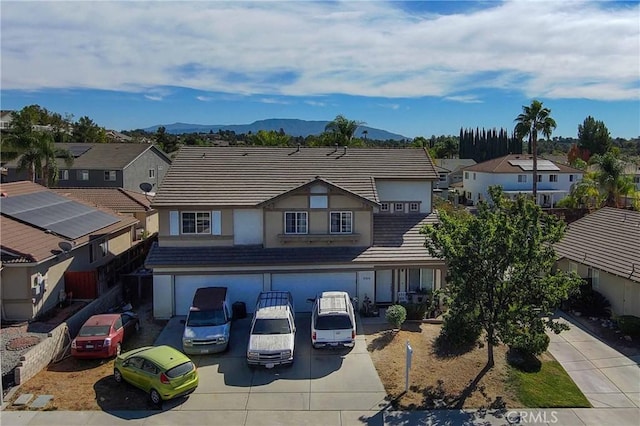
(333, 321)
(208, 325)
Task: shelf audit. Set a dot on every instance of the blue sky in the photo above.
(416, 68)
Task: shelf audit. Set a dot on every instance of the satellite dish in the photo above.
(146, 187)
(65, 246)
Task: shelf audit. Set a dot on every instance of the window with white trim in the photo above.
(110, 175)
(152, 173)
(83, 174)
(398, 207)
(104, 248)
(522, 178)
(414, 207)
(384, 207)
(553, 178)
(539, 178)
(341, 222)
(63, 174)
(196, 222)
(466, 175)
(295, 222)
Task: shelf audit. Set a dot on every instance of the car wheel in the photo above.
(118, 349)
(137, 327)
(155, 397)
(117, 375)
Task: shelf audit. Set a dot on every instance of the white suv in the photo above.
(333, 322)
(273, 330)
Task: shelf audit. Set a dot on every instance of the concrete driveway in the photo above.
(605, 376)
(319, 380)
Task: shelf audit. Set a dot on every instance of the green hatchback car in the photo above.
(161, 371)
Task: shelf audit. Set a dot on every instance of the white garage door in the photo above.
(304, 286)
(243, 288)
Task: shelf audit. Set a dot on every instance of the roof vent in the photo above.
(3, 194)
(345, 149)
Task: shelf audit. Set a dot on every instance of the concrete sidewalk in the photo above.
(566, 416)
(605, 376)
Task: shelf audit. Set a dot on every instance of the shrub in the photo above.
(460, 329)
(530, 342)
(629, 324)
(396, 315)
(590, 303)
(416, 311)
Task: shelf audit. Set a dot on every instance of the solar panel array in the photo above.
(78, 150)
(543, 165)
(56, 213)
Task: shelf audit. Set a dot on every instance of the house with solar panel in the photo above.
(302, 220)
(514, 173)
(54, 247)
(105, 165)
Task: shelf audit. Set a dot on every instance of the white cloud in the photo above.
(465, 99)
(153, 98)
(271, 49)
(204, 98)
(390, 106)
(315, 103)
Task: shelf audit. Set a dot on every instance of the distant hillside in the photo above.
(290, 126)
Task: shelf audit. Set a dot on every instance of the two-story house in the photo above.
(304, 220)
(514, 173)
(49, 241)
(106, 165)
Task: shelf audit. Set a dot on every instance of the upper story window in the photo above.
(443, 177)
(414, 207)
(570, 178)
(110, 175)
(474, 175)
(63, 174)
(341, 222)
(152, 173)
(83, 174)
(522, 178)
(318, 201)
(466, 175)
(539, 178)
(384, 207)
(636, 179)
(196, 222)
(398, 207)
(553, 178)
(295, 222)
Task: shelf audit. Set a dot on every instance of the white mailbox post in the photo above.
(409, 355)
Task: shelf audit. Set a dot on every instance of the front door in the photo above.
(384, 286)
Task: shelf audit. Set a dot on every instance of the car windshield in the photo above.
(206, 318)
(94, 330)
(271, 326)
(180, 370)
(333, 322)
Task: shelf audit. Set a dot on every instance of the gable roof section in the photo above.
(102, 156)
(117, 199)
(608, 239)
(503, 165)
(27, 243)
(313, 182)
(248, 176)
(453, 164)
(397, 240)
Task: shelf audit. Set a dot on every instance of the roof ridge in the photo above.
(125, 192)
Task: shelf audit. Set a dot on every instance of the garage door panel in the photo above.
(243, 288)
(307, 285)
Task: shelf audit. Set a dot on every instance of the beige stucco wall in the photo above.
(622, 293)
(225, 239)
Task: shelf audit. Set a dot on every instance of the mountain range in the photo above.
(292, 127)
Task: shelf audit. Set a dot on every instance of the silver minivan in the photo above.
(208, 325)
(333, 322)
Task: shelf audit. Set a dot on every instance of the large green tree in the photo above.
(610, 176)
(343, 129)
(533, 119)
(593, 137)
(499, 267)
(85, 130)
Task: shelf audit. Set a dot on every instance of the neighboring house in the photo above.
(303, 220)
(604, 248)
(6, 117)
(633, 171)
(52, 245)
(450, 170)
(113, 165)
(514, 173)
(118, 137)
(121, 201)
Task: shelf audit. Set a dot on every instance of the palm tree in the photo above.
(610, 176)
(534, 119)
(343, 129)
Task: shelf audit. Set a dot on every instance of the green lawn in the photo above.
(547, 388)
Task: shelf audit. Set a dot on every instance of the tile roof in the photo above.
(101, 156)
(117, 199)
(396, 241)
(31, 244)
(502, 165)
(247, 176)
(453, 164)
(607, 239)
